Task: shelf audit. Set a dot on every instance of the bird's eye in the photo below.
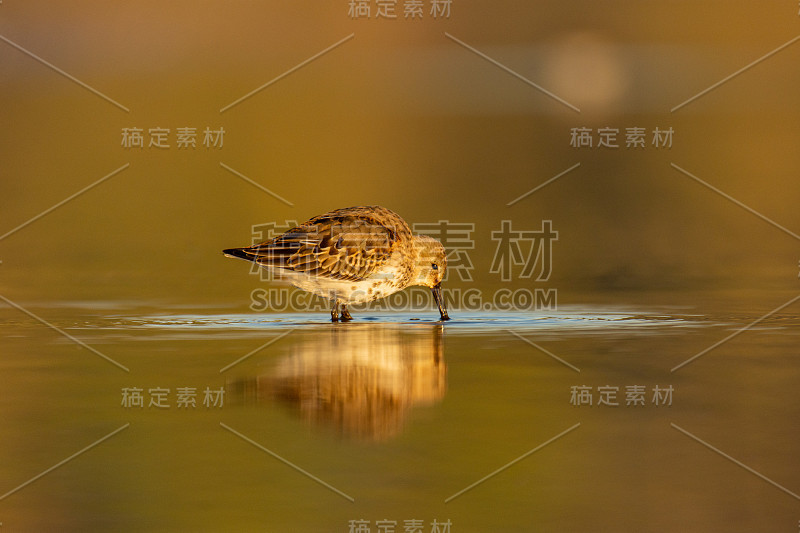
(434, 266)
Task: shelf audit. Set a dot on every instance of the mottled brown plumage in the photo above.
(355, 254)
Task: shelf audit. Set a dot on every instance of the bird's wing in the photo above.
(348, 244)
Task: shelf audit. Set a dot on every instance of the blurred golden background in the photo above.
(403, 116)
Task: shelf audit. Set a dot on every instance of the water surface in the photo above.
(400, 417)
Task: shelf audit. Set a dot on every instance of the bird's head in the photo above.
(429, 268)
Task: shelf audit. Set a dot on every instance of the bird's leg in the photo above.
(335, 311)
(346, 316)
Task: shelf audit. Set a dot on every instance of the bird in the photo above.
(353, 255)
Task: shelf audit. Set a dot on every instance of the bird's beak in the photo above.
(437, 295)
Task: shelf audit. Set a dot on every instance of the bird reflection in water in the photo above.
(362, 381)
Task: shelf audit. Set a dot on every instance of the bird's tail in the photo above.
(241, 253)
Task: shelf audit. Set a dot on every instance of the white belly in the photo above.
(377, 286)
